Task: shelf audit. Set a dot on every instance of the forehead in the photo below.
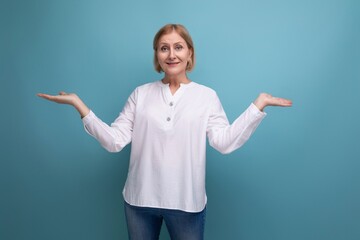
(172, 37)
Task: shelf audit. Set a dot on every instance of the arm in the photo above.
(225, 137)
(113, 138)
(116, 136)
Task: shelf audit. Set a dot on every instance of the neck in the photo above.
(175, 80)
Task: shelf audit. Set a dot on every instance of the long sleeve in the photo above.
(225, 137)
(116, 136)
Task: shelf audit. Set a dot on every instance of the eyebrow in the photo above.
(169, 43)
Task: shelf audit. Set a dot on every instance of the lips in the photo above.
(172, 63)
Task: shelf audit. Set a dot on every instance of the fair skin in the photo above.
(70, 99)
(173, 55)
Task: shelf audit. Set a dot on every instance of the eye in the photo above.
(178, 47)
(164, 49)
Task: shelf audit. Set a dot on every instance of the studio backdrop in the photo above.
(297, 178)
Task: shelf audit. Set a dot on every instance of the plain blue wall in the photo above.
(297, 177)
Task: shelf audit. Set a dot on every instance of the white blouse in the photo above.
(168, 134)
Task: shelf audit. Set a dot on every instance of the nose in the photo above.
(171, 54)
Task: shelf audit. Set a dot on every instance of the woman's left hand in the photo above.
(265, 99)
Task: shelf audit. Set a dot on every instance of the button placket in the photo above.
(170, 117)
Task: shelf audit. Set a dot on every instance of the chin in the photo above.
(174, 72)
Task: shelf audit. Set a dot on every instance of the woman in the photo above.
(167, 122)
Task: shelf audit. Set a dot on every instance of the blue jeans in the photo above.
(144, 223)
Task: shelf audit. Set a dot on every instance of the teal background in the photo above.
(297, 177)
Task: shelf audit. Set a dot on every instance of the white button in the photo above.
(168, 119)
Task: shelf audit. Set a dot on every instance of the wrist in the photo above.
(76, 101)
(80, 107)
(259, 105)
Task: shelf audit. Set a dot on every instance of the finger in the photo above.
(282, 102)
(46, 96)
(285, 101)
(62, 93)
(49, 97)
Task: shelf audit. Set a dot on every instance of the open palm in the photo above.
(63, 97)
(266, 99)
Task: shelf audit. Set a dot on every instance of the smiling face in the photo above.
(173, 54)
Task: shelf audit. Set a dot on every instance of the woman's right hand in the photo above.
(63, 98)
(68, 98)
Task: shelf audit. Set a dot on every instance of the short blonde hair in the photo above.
(181, 30)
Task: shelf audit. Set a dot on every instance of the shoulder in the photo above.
(146, 88)
(204, 89)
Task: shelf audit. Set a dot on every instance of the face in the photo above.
(173, 54)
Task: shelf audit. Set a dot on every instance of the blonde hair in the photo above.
(181, 30)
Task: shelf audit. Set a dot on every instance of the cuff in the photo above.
(88, 118)
(254, 109)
